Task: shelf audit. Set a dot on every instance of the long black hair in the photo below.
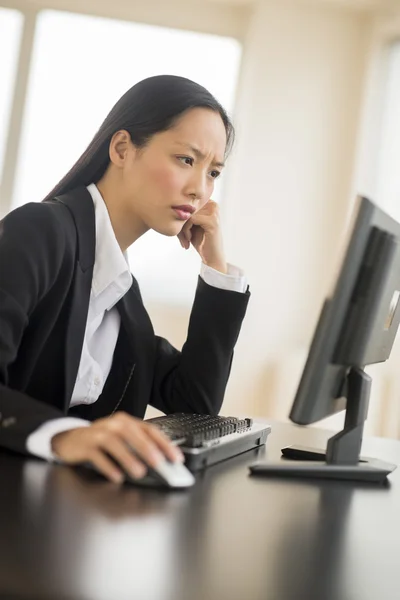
(151, 106)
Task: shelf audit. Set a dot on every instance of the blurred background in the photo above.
(313, 87)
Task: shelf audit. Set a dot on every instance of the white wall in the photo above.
(289, 191)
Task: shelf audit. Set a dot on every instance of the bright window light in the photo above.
(81, 65)
(388, 189)
(11, 22)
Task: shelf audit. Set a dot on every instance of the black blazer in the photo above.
(47, 253)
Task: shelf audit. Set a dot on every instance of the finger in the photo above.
(208, 208)
(206, 221)
(165, 444)
(181, 238)
(197, 236)
(105, 466)
(143, 444)
(186, 229)
(125, 457)
(185, 236)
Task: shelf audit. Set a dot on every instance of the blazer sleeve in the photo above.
(31, 253)
(195, 379)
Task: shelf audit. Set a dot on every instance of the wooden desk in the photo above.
(233, 536)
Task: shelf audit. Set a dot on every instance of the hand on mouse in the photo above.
(115, 435)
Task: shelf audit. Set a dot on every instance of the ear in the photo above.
(119, 146)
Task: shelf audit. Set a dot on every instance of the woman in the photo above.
(79, 360)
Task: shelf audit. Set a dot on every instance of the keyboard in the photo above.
(206, 440)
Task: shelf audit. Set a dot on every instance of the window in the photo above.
(11, 22)
(388, 179)
(73, 86)
(388, 172)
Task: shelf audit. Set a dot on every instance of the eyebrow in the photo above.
(199, 154)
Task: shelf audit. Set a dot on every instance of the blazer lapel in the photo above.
(136, 322)
(140, 336)
(76, 328)
(80, 204)
(129, 308)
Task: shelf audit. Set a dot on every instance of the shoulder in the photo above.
(50, 215)
(38, 220)
(43, 229)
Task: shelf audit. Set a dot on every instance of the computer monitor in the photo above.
(357, 327)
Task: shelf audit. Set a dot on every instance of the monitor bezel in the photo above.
(321, 390)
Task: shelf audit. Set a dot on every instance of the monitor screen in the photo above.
(359, 319)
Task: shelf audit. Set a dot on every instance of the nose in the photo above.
(198, 186)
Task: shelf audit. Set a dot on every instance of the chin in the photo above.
(169, 229)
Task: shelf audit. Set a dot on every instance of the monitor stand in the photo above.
(341, 460)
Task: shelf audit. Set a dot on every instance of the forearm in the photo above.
(195, 379)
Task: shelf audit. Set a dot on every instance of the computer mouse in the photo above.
(167, 475)
(173, 475)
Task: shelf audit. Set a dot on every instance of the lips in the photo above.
(185, 208)
(184, 212)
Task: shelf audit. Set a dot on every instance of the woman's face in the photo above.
(176, 168)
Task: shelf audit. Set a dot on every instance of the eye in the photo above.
(186, 158)
(215, 174)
